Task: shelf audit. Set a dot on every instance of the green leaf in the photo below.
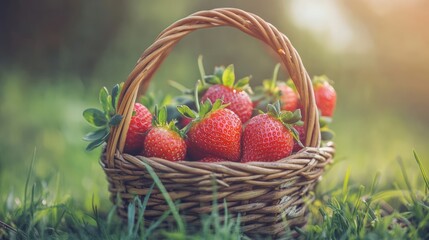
(94, 144)
(166, 100)
(296, 116)
(115, 120)
(162, 116)
(271, 109)
(102, 97)
(218, 71)
(324, 121)
(112, 110)
(242, 83)
(299, 123)
(92, 136)
(228, 76)
(217, 104)
(95, 117)
(205, 108)
(285, 116)
(266, 84)
(115, 94)
(212, 79)
(295, 135)
(186, 111)
(277, 105)
(327, 134)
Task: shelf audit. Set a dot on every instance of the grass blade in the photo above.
(167, 197)
(345, 184)
(424, 174)
(407, 181)
(30, 170)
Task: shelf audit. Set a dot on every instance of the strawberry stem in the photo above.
(179, 87)
(275, 74)
(201, 68)
(197, 102)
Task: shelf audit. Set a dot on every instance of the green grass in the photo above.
(51, 188)
(348, 212)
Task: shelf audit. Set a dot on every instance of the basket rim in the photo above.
(246, 22)
(308, 162)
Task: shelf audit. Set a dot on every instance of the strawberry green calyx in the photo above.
(269, 88)
(287, 118)
(320, 80)
(205, 109)
(226, 77)
(273, 90)
(160, 120)
(103, 119)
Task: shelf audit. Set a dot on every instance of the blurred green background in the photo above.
(56, 55)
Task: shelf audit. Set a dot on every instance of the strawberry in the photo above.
(288, 97)
(270, 136)
(164, 140)
(301, 134)
(184, 121)
(194, 153)
(325, 95)
(139, 125)
(234, 94)
(215, 130)
(272, 91)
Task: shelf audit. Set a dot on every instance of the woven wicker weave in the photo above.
(261, 192)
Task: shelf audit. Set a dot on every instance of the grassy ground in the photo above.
(51, 188)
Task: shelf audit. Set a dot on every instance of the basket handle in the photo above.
(248, 23)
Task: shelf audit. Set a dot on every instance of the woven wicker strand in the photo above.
(263, 193)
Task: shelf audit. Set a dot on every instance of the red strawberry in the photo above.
(212, 159)
(164, 140)
(184, 121)
(139, 125)
(325, 95)
(194, 153)
(272, 91)
(301, 134)
(238, 99)
(288, 97)
(269, 137)
(215, 130)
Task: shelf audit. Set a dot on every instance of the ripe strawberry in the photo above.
(215, 130)
(194, 153)
(139, 125)
(164, 140)
(325, 95)
(234, 94)
(288, 97)
(301, 134)
(184, 121)
(272, 91)
(269, 137)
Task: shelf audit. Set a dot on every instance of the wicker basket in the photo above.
(263, 193)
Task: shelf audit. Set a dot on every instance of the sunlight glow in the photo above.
(327, 19)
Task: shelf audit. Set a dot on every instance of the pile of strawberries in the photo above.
(229, 122)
